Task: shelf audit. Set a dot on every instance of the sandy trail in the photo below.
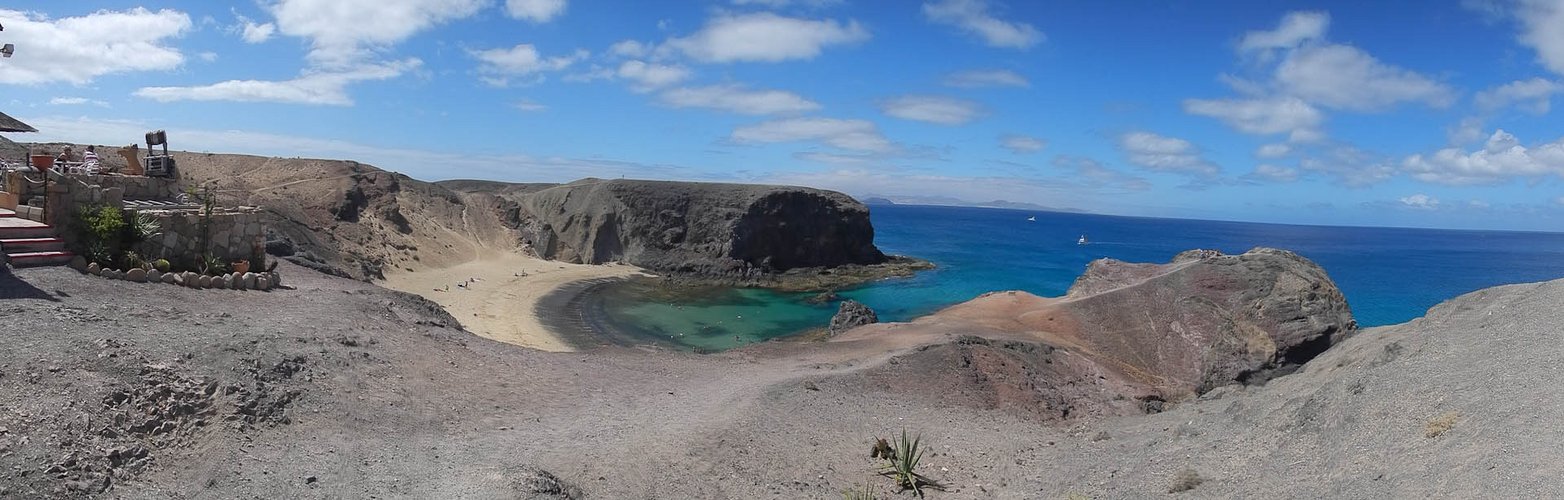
(496, 294)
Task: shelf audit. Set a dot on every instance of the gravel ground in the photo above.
(335, 388)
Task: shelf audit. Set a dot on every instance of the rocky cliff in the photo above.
(701, 228)
(355, 220)
(1128, 337)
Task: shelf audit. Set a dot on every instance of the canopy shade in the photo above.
(8, 124)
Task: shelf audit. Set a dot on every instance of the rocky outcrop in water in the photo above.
(851, 314)
(729, 230)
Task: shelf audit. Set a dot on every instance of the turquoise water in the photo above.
(1389, 275)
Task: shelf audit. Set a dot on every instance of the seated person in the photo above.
(91, 155)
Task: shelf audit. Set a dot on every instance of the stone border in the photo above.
(232, 281)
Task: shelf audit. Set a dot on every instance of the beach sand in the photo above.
(501, 304)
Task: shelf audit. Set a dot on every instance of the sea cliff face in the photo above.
(708, 229)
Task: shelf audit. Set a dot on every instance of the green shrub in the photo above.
(161, 265)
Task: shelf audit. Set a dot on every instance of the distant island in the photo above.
(947, 201)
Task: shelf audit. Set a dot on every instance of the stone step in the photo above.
(17, 228)
(20, 245)
(31, 259)
(7, 213)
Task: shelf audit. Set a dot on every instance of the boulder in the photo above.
(261, 283)
(171, 278)
(851, 314)
(204, 282)
(247, 281)
(94, 269)
(154, 276)
(137, 275)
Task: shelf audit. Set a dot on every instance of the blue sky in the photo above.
(1429, 114)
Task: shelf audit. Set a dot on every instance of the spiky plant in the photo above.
(903, 466)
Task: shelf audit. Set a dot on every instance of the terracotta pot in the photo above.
(240, 266)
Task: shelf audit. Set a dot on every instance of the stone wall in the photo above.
(134, 187)
(235, 234)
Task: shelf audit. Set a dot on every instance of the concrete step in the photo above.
(7, 213)
(19, 228)
(33, 259)
(21, 245)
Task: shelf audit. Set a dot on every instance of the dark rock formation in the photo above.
(851, 314)
(701, 228)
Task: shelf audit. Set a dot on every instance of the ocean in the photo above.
(1389, 275)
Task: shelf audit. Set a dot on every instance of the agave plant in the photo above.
(904, 464)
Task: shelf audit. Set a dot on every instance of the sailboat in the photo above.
(1081, 241)
(1032, 219)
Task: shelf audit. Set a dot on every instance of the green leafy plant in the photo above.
(212, 265)
(162, 265)
(903, 461)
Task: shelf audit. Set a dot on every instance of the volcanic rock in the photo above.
(701, 228)
(851, 314)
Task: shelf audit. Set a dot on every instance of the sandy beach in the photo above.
(496, 295)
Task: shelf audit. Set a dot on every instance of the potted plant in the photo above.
(240, 266)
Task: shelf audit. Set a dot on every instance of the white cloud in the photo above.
(1264, 116)
(1022, 144)
(1312, 74)
(1273, 150)
(207, 56)
(537, 11)
(1532, 96)
(856, 135)
(652, 76)
(765, 37)
(256, 33)
(1093, 174)
(1349, 166)
(1420, 201)
(1294, 29)
(345, 32)
(1542, 23)
(77, 50)
(521, 60)
(1275, 173)
(972, 16)
(1501, 158)
(737, 99)
(73, 101)
(1469, 130)
(629, 48)
(316, 88)
(530, 106)
(932, 109)
(1344, 77)
(986, 78)
(1165, 154)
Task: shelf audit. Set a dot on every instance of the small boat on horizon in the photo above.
(1081, 241)
(1032, 219)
